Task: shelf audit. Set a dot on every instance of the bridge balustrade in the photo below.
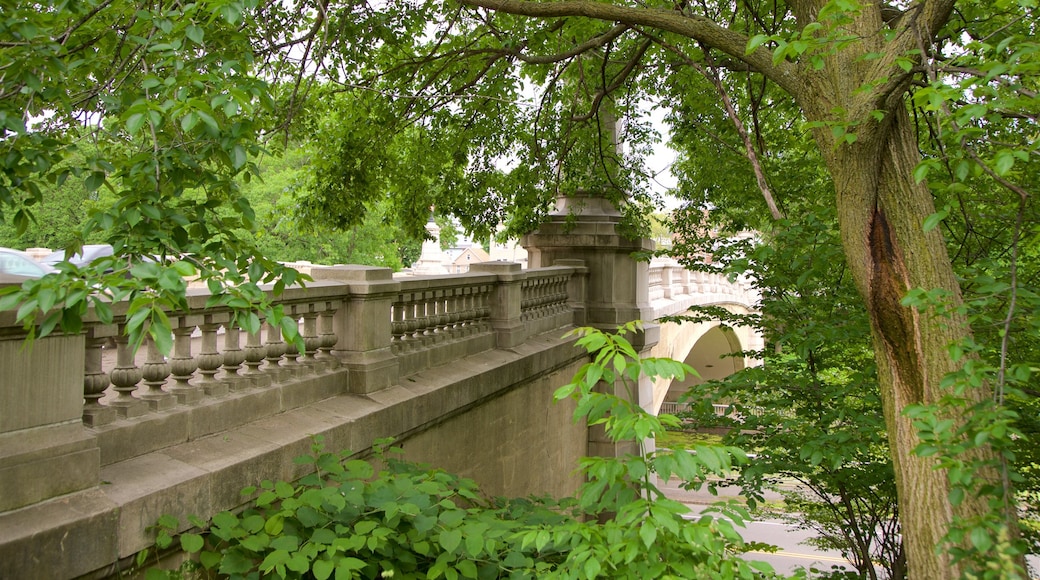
(227, 359)
(673, 288)
(362, 330)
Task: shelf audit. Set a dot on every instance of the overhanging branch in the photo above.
(699, 28)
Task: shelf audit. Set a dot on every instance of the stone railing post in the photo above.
(362, 325)
(45, 451)
(667, 280)
(505, 301)
(585, 228)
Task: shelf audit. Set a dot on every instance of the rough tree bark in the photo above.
(881, 213)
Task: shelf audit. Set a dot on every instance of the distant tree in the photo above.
(283, 234)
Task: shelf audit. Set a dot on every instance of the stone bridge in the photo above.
(459, 369)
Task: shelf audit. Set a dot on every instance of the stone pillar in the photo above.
(505, 301)
(584, 228)
(45, 451)
(362, 325)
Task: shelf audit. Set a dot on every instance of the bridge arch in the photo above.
(706, 346)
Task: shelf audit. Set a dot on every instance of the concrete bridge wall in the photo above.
(460, 369)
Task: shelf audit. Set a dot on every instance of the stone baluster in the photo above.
(290, 358)
(427, 320)
(154, 371)
(484, 311)
(328, 337)
(210, 359)
(555, 295)
(95, 380)
(469, 311)
(125, 377)
(397, 327)
(254, 355)
(455, 313)
(561, 293)
(413, 325)
(275, 348)
(525, 300)
(536, 298)
(544, 297)
(440, 316)
(311, 340)
(183, 365)
(234, 356)
(414, 313)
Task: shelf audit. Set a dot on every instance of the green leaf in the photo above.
(238, 157)
(935, 219)
(284, 489)
(647, 533)
(450, 539)
(981, 539)
(287, 543)
(592, 568)
(467, 568)
(1004, 162)
(93, 181)
(348, 564)
(322, 569)
(474, 545)
(134, 122)
(191, 543)
(194, 33)
(184, 268)
(188, 121)
(210, 560)
(364, 527)
(756, 41)
(275, 558)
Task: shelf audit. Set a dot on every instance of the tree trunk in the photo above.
(881, 211)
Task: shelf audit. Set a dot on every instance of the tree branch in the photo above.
(699, 28)
(617, 82)
(590, 44)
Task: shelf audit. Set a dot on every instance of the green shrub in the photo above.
(407, 521)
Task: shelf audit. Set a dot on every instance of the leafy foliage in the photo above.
(160, 106)
(408, 521)
(812, 411)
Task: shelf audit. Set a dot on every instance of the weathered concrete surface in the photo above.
(549, 446)
(473, 409)
(44, 451)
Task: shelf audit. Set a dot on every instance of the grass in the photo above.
(686, 439)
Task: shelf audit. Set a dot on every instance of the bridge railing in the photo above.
(362, 331)
(210, 357)
(673, 288)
